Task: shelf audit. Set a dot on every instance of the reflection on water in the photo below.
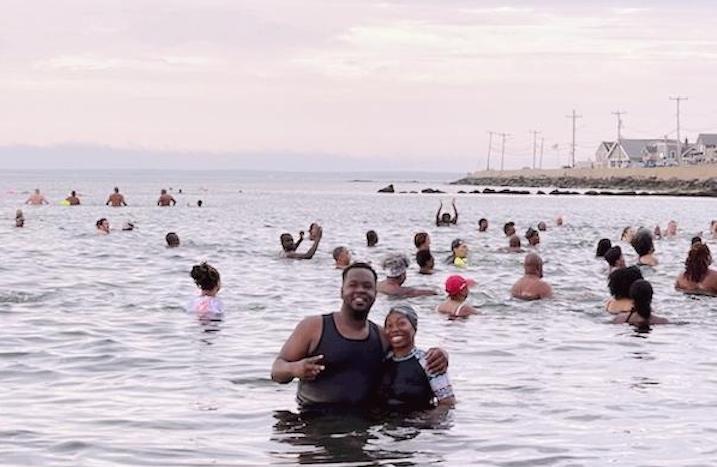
(101, 365)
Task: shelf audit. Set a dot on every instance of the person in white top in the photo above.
(206, 305)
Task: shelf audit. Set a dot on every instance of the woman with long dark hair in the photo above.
(698, 276)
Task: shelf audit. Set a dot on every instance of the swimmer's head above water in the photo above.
(207, 278)
(371, 238)
(172, 240)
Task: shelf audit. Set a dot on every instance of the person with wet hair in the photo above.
(695, 240)
(483, 225)
(425, 261)
(445, 219)
(371, 238)
(532, 286)
(614, 258)
(206, 305)
(287, 241)
(288, 245)
(459, 254)
(338, 357)
(396, 266)
(406, 383)
(422, 241)
(542, 226)
(103, 226)
(640, 315)
(619, 283)
(603, 245)
(172, 240)
(532, 236)
(509, 229)
(342, 257)
(644, 247)
(698, 277)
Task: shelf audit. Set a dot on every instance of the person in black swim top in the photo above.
(338, 357)
(407, 384)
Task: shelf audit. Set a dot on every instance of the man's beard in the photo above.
(359, 315)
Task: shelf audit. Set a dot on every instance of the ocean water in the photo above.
(100, 364)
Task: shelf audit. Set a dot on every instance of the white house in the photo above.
(707, 146)
(601, 153)
(631, 153)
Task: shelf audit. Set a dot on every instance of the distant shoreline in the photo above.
(698, 180)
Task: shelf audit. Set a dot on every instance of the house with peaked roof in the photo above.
(707, 146)
(601, 153)
(631, 152)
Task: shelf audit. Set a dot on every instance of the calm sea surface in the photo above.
(100, 365)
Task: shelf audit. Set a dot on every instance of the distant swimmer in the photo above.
(619, 283)
(509, 229)
(532, 236)
(698, 277)
(456, 304)
(103, 226)
(116, 199)
(422, 241)
(514, 245)
(459, 254)
(172, 240)
(371, 238)
(289, 247)
(425, 261)
(73, 200)
(407, 384)
(315, 231)
(671, 230)
(657, 232)
(627, 234)
(614, 258)
(165, 199)
(483, 225)
(542, 226)
(287, 241)
(37, 198)
(342, 257)
(19, 218)
(641, 313)
(603, 245)
(713, 229)
(444, 219)
(396, 266)
(559, 221)
(207, 305)
(532, 286)
(644, 247)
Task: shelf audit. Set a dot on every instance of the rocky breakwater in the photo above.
(654, 185)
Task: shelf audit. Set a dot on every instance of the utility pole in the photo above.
(490, 146)
(502, 150)
(679, 141)
(535, 141)
(619, 114)
(574, 116)
(542, 143)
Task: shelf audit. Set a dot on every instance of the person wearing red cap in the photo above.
(455, 306)
(532, 286)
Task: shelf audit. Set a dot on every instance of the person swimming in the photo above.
(103, 226)
(425, 261)
(509, 229)
(542, 226)
(206, 305)
(371, 238)
(422, 241)
(396, 265)
(698, 277)
(287, 241)
(73, 200)
(532, 236)
(532, 286)
(640, 315)
(671, 230)
(627, 234)
(288, 246)
(603, 245)
(445, 219)
(514, 245)
(172, 240)
(456, 304)
(37, 198)
(406, 383)
(619, 283)
(342, 257)
(19, 219)
(483, 225)
(459, 253)
(644, 247)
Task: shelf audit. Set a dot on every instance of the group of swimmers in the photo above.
(115, 199)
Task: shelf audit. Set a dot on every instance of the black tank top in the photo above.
(353, 368)
(405, 385)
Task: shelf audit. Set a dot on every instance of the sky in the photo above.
(333, 85)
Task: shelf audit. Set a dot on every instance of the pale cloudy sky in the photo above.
(412, 84)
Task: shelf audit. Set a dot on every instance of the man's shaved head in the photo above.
(533, 264)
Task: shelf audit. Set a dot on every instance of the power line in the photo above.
(574, 116)
(535, 140)
(679, 141)
(619, 114)
(490, 145)
(502, 151)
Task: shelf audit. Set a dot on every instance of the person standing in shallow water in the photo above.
(532, 286)
(698, 277)
(338, 357)
(37, 198)
(165, 199)
(116, 199)
(73, 199)
(206, 305)
(641, 313)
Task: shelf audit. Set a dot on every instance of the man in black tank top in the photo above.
(338, 357)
